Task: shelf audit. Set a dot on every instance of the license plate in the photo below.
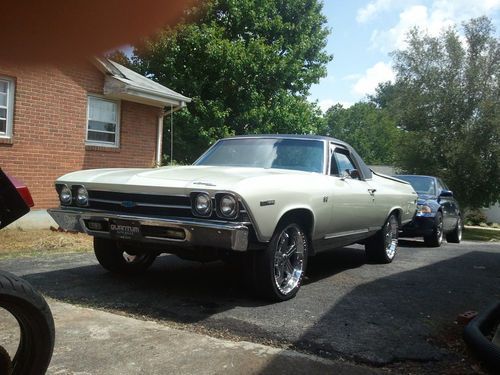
(125, 229)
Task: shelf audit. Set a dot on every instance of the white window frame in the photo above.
(116, 144)
(11, 87)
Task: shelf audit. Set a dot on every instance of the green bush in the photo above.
(475, 217)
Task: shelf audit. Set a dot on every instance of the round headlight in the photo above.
(203, 204)
(424, 209)
(82, 196)
(65, 195)
(227, 206)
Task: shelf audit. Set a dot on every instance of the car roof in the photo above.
(293, 136)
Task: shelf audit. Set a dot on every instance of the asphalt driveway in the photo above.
(402, 314)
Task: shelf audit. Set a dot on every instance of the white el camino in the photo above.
(270, 200)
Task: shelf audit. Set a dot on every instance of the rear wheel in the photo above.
(115, 259)
(436, 238)
(277, 272)
(456, 235)
(383, 246)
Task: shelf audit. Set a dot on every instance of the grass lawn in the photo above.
(16, 242)
(480, 234)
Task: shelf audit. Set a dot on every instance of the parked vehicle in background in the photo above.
(276, 199)
(17, 296)
(438, 212)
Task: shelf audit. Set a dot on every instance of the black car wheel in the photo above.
(115, 259)
(456, 235)
(436, 238)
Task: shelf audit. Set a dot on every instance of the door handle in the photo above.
(372, 191)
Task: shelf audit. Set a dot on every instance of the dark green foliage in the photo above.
(446, 101)
(370, 130)
(247, 65)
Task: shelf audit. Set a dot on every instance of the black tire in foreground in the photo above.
(475, 337)
(113, 258)
(456, 235)
(436, 238)
(383, 246)
(276, 273)
(36, 325)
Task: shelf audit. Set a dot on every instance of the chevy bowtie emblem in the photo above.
(128, 204)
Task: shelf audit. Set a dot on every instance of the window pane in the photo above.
(3, 86)
(3, 99)
(3, 126)
(101, 137)
(296, 154)
(97, 125)
(3, 113)
(344, 163)
(102, 110)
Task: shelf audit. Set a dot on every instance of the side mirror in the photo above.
(446, 193)
(354, 173)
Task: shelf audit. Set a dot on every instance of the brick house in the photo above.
(57, 119)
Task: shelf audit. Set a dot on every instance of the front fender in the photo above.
(265, 218)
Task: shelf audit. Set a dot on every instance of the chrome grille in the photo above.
(148, 204)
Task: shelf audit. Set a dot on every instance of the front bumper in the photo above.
(419, 226)
(188, 232)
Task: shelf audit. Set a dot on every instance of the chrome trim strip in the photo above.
(344, 234)
(94, 189)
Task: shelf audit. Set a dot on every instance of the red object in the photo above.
(466, 317)
(23, 190)
(38, 32)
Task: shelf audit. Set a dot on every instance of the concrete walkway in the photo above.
(35, 219)
(90, 341)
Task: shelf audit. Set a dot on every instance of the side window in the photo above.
(334, 169)
(6, 106)
(103, 125)
(341, 164)
(441, 185)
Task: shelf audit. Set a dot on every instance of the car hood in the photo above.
(422, 198)
(194, 177)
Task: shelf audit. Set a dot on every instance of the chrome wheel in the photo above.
(113, 257)
(391, 237)
(289, 259)
(459, 229)
(455, 236)
(129, 258)
(439, 230)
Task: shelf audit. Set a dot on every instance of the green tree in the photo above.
(247, 64)
(370, 130)
(446, 100)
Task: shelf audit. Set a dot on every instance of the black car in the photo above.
(438, 213)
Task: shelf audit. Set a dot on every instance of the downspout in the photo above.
(159, 141)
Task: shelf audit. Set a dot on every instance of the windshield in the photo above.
(421, 184)
(297, 154)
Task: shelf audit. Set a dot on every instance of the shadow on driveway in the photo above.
(376, 314)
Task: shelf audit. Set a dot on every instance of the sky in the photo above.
(364, 32)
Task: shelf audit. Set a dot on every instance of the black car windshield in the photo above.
(281, 153)
(421, 184)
